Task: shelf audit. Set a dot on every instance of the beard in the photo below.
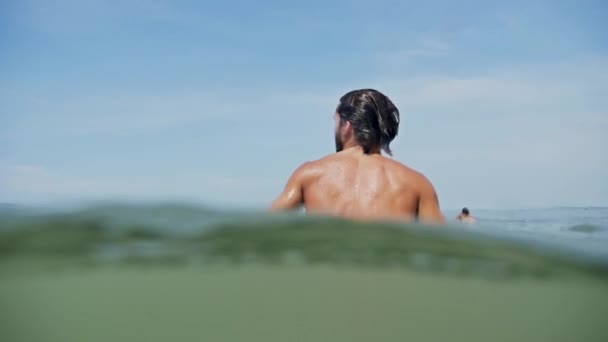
(339, 144)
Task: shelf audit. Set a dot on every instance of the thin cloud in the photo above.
(423, 46)
(32, 183)
(500, 89)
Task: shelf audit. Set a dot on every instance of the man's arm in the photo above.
(428, 205)
(292, 196)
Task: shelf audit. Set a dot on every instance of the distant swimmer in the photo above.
(357, 182)
(465, 216)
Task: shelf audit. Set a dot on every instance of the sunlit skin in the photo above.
(355, 185)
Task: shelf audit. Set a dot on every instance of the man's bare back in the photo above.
(360, 186)
(357, 182)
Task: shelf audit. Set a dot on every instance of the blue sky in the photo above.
(503, 104)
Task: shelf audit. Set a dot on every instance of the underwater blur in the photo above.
(172, 271)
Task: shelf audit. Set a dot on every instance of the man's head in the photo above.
(366, 118)
(465, 211)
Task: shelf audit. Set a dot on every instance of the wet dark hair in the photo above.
(374, 117)
(465, 211)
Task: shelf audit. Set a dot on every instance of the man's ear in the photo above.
(347, 131)
(347, 127)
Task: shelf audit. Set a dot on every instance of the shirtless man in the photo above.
(357, 182)
(465, 216)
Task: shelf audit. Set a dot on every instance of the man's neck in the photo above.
(353, 146)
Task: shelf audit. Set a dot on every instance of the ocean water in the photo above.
(575, 232)
(172, 271)
(584, 229)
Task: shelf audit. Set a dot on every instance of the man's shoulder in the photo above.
(323, 162)
(314, 168)
(403, 169)
(414, 179)
(308, 169)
